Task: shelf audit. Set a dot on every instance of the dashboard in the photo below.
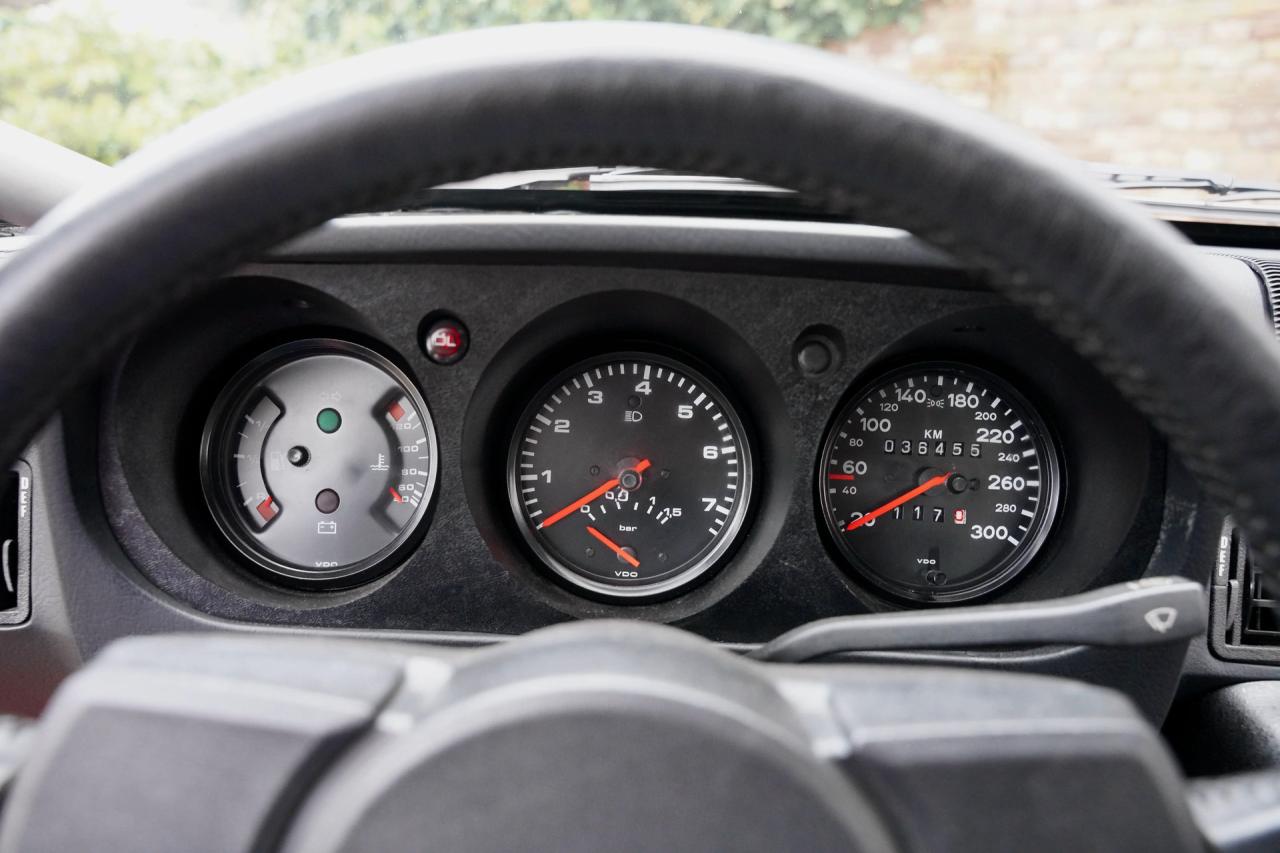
(460, 427)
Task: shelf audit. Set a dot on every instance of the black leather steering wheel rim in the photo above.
(1118, 286)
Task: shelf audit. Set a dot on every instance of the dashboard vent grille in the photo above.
(1270, 272)
(1261, 621)
(1246, 604)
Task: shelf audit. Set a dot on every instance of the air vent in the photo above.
(1245, 604)
(15, 545)
(1269, 273)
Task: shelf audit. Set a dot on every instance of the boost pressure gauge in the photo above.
(318, 461)
(939, 482)
(630, 475)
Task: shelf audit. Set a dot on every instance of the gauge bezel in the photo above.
(1023, 554)
(216, 484)
(707, 560)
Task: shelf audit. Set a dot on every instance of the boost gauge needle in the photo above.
(641, 466)
(614, 547)
(919, 490)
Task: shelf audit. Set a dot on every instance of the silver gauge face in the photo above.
(318, 462)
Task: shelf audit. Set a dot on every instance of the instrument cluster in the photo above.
(629, 475)
(554, 444)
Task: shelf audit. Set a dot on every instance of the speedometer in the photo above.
(939, 482)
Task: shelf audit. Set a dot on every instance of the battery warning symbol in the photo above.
(959, 516)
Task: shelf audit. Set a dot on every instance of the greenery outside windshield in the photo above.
(1180, 85)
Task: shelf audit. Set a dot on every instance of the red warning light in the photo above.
(268, 509)
(445, 341)
(959, 516)
(396, 411)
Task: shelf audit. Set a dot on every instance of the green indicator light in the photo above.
(329, 420)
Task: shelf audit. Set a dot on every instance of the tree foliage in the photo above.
(72, 72)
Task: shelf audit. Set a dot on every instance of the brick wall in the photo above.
(1189, 84)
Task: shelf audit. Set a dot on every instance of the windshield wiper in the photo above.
(1202, 198)
(1220, 187)
(612, 178)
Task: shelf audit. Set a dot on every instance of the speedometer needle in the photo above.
(919, 490)
(614, 547)
(640, 467)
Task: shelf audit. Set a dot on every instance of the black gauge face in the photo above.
(938, 482)
(630, 475)
(319, 460)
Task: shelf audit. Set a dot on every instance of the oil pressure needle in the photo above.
(614, 547)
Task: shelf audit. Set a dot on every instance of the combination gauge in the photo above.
(630, 475)
(318, 462)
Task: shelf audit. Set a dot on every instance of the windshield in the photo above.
(1180, 86)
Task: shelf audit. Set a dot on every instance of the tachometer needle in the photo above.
(640, 467)
(919, 490)
(613, 546)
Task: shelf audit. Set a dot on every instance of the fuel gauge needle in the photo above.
(931, 483)
(614, 547)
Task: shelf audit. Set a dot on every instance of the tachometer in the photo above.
(939, 482)
(630, 475)
(319, 461)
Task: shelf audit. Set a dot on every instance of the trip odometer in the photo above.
(939, 482)
(630, 475)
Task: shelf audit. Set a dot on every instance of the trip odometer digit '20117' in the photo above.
(630, 475)
(939, 482)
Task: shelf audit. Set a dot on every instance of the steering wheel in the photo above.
(603, 735)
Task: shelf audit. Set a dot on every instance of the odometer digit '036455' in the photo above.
(939, 482)
(630, 475)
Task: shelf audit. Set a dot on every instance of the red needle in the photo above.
(899, 501)
(641, 466)
(395, 495)
(613, 546)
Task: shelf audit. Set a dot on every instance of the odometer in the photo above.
(939, 482)
(629, 475)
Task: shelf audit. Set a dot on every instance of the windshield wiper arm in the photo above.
(611, 178)
(1225, 188)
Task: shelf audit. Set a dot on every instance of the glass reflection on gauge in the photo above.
(318, 461)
